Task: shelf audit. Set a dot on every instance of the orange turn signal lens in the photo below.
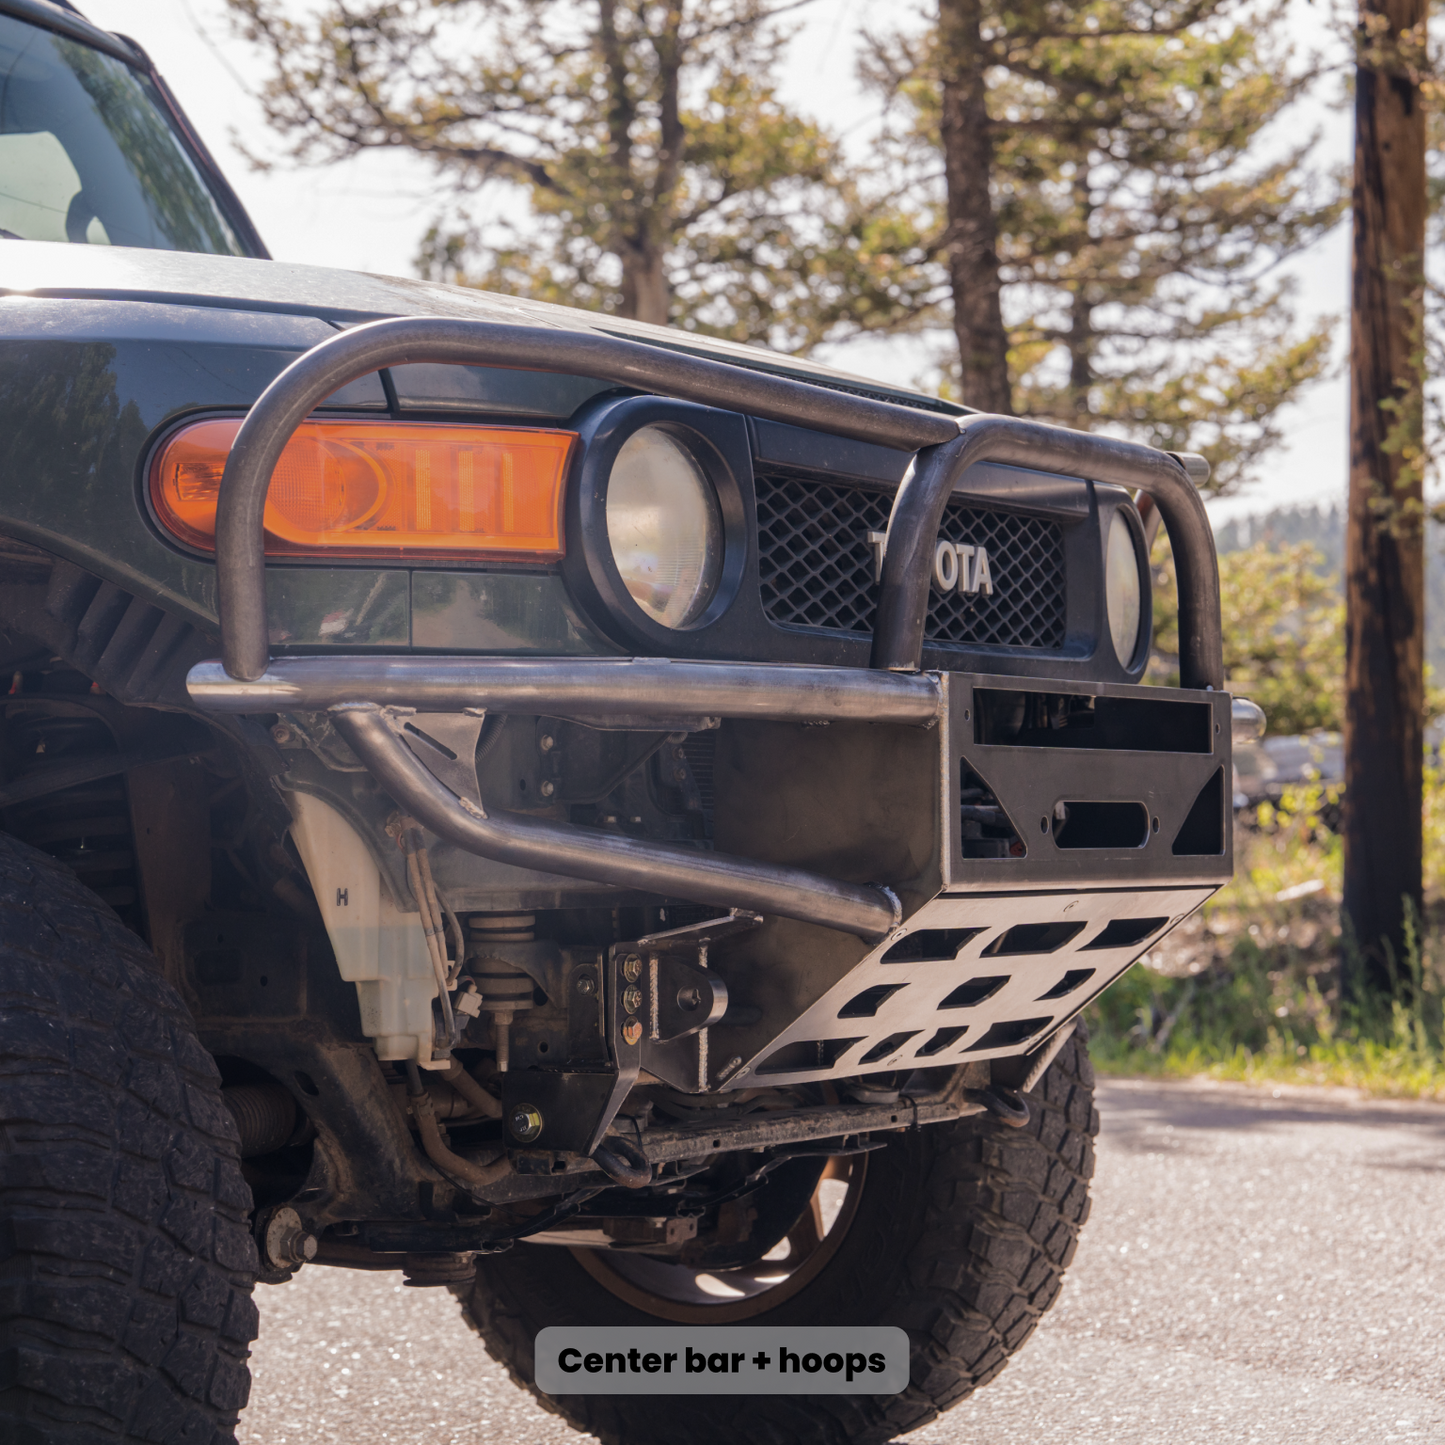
(380, 489)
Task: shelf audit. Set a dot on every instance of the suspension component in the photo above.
(286, 1242)
(506, 990)
(265, 1116)
(423, 1270)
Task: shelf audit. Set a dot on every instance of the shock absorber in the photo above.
(506, 990)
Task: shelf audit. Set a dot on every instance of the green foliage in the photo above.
(1433, 818)
(1256, 1024)
(1138, 230)
(1259, 1001)
(664, 178)
(1281, 847)
(1284, 636)
(1284, 631)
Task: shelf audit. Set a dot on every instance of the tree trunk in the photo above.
(971, 240)
(1081, 369)
(646, 295)
(1384, 559)
(1081, 312)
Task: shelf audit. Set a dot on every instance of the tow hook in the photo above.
(1007, 1105)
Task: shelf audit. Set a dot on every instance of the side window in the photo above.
(39, 191)
(88, 155)
(149, 189)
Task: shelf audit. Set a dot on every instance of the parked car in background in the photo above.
(1264, 769)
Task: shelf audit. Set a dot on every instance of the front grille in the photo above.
(817, 567)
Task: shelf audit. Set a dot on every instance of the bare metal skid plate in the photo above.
(982, 1001)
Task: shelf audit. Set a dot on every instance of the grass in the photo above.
(1247, 989)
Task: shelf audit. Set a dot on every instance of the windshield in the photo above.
(87, 153)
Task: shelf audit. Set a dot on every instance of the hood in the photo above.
(53, 269)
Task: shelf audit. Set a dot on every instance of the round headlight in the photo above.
(1121, 588)
(665, 527)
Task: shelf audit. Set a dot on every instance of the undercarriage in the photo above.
(599, 1043)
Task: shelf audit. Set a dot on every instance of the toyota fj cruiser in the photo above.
(616, 824)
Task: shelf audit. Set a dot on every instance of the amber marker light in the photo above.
(380, 489)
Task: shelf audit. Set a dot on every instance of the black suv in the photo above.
(613, 823)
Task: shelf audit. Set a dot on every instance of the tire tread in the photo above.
(126, 1258)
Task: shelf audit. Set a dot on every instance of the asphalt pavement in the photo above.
(1261, 1266)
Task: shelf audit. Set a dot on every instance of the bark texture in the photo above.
(1384, 561)
(971, 242)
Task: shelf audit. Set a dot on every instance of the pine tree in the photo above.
(665, 179)
(1138, 235)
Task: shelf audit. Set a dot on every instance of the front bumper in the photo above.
(1091, 806)
(942, 880)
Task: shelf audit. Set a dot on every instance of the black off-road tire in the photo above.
(962, 1236)
(126, 1261)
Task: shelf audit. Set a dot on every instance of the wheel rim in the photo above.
(684, 1295)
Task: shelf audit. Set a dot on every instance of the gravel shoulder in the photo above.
(1261, 1265)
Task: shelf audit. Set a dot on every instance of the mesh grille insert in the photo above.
(817, 567)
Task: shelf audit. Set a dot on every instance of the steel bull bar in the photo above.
(359, 690)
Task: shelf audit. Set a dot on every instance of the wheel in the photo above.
(960, 1233)
(126, 1261)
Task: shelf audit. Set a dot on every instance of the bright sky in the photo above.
(370, 213)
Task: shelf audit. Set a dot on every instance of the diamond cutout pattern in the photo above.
(817, 567)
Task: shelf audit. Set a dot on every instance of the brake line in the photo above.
(469, 1176)
(418, 875)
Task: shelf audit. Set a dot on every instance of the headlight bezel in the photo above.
(718, 443)
(1125, 511)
